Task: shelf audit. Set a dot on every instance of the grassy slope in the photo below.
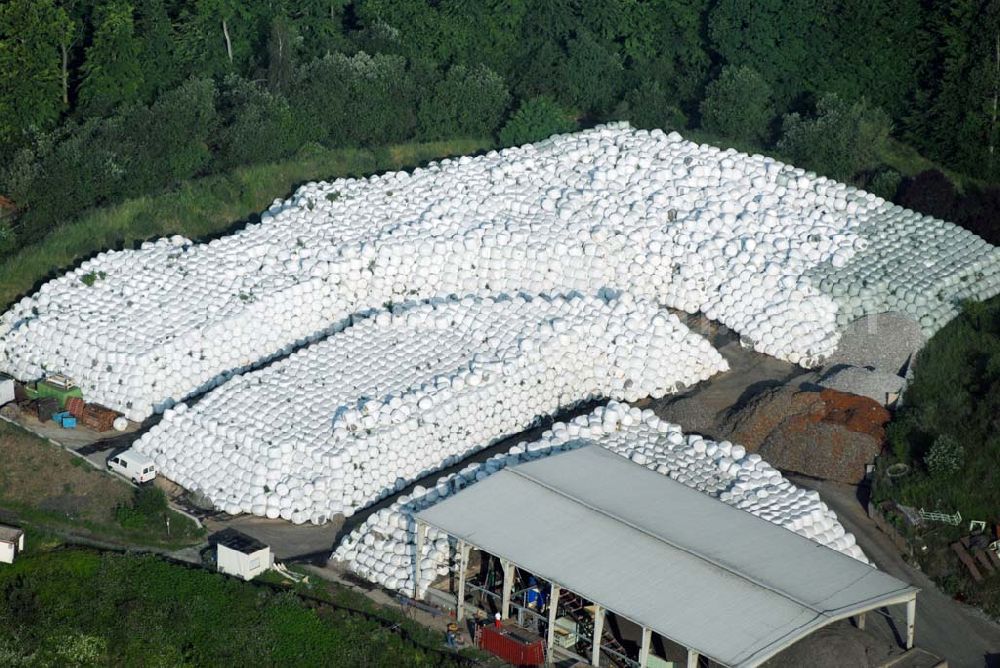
(44, 486)
(204, 207)
(78, 607)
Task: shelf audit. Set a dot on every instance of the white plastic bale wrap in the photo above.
(354, 418)
(383, 549)
(781, 256)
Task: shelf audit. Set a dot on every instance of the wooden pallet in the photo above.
(966, 559)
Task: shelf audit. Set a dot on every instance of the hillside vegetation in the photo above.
(203, 208)
(106, 101)
(948, 430)
(43, 486)
(74, 607)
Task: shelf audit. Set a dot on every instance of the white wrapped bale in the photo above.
(720, 469)
(352, 419)
(780, 255)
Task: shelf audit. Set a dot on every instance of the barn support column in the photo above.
(595, 650)
(860, 621)
(693, 657)
(553, 612)
(463, 566)
(508, 587)
(647, 636)
(911, 621)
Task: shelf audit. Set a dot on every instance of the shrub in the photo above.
(650, 106)
(840, 140)
(355, 100)
(467, 102)
(945, 457)
(534, 120)
(255, 125)
(885, 183)
(738, 105)
(146, 510)
(181, 125)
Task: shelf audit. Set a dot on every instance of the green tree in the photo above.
(535, 119)
(591, 74)
(320, 24)
(849, 47)
(955, 118)
(467, 102)
(359, 100)
(840, 140)
(651, 106)
(32, 34)
(738, 105)
(282, 46)
(663, 41)
(112, 72)
(216, 37)
(158, 61)
(256, 125)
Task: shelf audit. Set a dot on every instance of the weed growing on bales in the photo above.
(204, 208)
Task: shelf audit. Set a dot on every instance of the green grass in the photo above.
(204, 208)
(907, 161)
(71, 606)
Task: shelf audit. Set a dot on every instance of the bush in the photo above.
(650, 106)
(842, 139)
(355, 101)
(146, 510)
(738, 105)
(467, 102)
(534, 120)
(255, 125)
(945, 457)
(885, 183)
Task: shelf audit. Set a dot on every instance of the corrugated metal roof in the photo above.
(713, 578)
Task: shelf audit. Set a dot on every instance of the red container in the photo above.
(98, 417)
(75, 407)
(518, 649)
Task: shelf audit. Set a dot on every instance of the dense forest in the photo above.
(102, 100)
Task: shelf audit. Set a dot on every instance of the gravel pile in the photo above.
(877, 385)
(885, 342)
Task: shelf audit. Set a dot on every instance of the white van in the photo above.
(133, 465)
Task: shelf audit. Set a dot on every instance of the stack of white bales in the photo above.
(914, 265)
(356, 417)
(737, 237)
(383, 549)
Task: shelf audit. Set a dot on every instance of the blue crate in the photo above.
(68, 422)
(58, 417)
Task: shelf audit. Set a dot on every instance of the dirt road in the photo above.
(957, 632)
